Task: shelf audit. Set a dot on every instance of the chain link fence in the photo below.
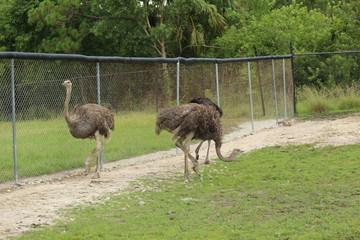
(327, 69)
(34, 136)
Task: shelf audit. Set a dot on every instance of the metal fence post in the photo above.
(285, 97)
(98, 100)
(178, 83)
(14, 122)
(98, 82)
(217, 84)
(293, 77)
(275, 96)
(251, 100)
(177, 90)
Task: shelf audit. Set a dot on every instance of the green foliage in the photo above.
(314, 101)
(186, 28)
(16, 34)
(131, 28)
(311, 4)
(332, 27)
(294, 192)
(327, 70)
(59, 21)
(345, 24)
(310, 31)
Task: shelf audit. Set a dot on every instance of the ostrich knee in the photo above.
(179, 144)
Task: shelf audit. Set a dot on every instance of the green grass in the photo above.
(294, 192)
(325, 101)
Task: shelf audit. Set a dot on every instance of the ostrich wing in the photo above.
(89, 118)
(203, 121)
(170, 119)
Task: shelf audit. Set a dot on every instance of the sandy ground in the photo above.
(37, 201)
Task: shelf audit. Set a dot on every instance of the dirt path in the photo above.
(37, 202)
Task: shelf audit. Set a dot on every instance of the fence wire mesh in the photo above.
(327, 69)
(42, 137)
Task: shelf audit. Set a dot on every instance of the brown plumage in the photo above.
(207, 102)
(193, 121)
(88, 121)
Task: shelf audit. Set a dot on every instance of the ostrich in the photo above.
(88, 121)
(205, 101)
(193, 121)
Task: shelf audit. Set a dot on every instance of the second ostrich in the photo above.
(209, 103)
(88, 121)
(193, 121)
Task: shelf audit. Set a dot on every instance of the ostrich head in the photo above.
(235, 152)
(67, 83)
(68, 86)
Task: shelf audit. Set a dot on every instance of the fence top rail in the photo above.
(326, 53)
(78, 57)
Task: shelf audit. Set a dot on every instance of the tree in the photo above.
(310, 4)
(336, 29)
(310, 31)
(135, 28)
(16, 34)
(64, 28)
(345, 24)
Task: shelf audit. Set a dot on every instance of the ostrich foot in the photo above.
(207, 161)
(196, 169)
(87, 170)
(187, 176)
(96, 175)
(188, 179)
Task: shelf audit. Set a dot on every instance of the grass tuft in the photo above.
(313, 101)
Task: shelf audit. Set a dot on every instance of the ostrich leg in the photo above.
(207, 161)
(207, 154)
(197, 150)
(98, 148)
(187, 155)
(87, 162)
(187, 150)
(179, 144)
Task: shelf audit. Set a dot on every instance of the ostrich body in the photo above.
(210, 103)
(88, 121)
(193, 121)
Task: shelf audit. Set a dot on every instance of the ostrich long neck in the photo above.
(66, 104)
(221, 157)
